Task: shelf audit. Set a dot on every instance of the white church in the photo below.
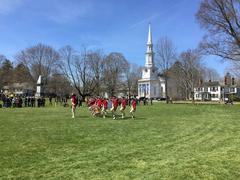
(151, 85)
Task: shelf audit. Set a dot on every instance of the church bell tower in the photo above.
(149, 69)
(149, 54)
(149, 85)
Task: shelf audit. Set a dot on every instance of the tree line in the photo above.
(87, 72)
(91, 72)
(221, 21)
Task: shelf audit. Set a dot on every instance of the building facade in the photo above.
(21, 89)
(151, 85)
(214, 91)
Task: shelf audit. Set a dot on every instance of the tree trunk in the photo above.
(193, 100)
(166, 89)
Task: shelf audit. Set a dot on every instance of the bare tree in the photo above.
(69, 66)
(211, 74)
(2, 58)
(176, 88)
(165, 57)
(114, 66)
(221, 18)
(83, 69)
(190, 71)
(235, 68)
(132, 75)
(40, 59)
(59, 85)
(95, 60)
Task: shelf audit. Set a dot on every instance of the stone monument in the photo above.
(39, 87)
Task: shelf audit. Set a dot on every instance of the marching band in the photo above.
(100, 107)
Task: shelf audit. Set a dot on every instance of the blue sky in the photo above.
(111, 25)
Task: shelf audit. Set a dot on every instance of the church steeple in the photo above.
(150, 85)
(149, 35)
(149, 54)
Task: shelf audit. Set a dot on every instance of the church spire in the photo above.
(149, 54)
(149, 35)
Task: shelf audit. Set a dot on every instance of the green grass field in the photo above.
(163, 142)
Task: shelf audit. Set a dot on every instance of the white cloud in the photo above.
(173, 8)
(69, 10)
(58, 11)
(144, 21)
(8, 6)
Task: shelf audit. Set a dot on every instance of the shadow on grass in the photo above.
(130, 118)
(109, 117)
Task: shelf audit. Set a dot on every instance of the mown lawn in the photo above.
(163, 142)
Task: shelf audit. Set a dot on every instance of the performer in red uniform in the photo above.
(99, 102)
(133, 107)
(91, 102)
(114, 107)
(74, 104)
(123, 107)
(104, 107)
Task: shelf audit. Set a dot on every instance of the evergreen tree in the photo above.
(6, 72)
(22, 74)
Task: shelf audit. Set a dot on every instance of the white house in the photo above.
(18, 89)
(214, 91)
(151, 85)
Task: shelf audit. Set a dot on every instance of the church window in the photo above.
(147, 89)
(154, 91)
(144, 89)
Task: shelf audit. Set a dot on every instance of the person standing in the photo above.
(50, 100)
(133, 107)
(123, 106)
(26, 101)
(79, 102)
(74, 104)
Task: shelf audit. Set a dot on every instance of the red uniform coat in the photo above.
(74, 101)
(134, 104)
(105, 104)
(115, 103)
(99, 103)
(124, 103)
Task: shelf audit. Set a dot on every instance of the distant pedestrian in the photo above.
(74, 104)
(144, 101)
(26, 102)
(79, 102)
(50, 100)
(43, 102)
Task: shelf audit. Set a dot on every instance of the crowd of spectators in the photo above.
(19, 101)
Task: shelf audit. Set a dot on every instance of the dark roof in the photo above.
(213, 83)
